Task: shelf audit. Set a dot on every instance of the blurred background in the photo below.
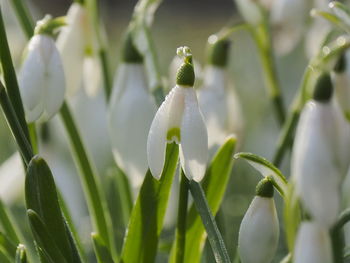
(177, 23)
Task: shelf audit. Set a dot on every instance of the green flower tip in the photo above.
(218, 51)
(340, 67)
(264, 188)
(49, 25)
(185, 74)
(324, 88)
(129, 52)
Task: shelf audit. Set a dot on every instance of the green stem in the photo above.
(10, 79)
(93, 194)
(23, 17)
(180, 236)
(107, 79)
(262, 38)
(16, 129)
(10, 229)
(214, 236)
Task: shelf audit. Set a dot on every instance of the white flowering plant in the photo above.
(174, 143)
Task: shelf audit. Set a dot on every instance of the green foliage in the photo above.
(101, 251)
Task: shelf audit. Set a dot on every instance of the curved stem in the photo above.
(263, 41)
(93, 194)
(180, 236)
(23, 17)
(214, 236)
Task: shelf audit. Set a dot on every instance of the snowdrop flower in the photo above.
(259, 230)
(73, 42)
(320, 154)
(217, 98)
(132, 109)
(174, 66)
(313, 244)
(179, 119)
(41, 80)
(341, 80)
(92, 74)
(288, 19)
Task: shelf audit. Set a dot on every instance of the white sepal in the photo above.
(42, 80)
(131, 113)
(220, 106)
(259, 232)
(72, 43)
(320, 160)
(313, 244)
(91, 75)
(179, 119)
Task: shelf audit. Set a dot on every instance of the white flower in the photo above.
(218, 100)
(259, 230)
(288, 19)
(313, 244)
(91, 75)
(179, 119)
(341, 80)
(253, 10)
(320, 157)
(41, 80)
(72, 43)
(131, 112)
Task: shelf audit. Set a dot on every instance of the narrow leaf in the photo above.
(41, 196)
(147, 216)
(266, 169)
(214, 186)
(101, 251)
(7, 245)
(21, 255)
(44, 239)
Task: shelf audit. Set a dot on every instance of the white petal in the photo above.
(91, 75)
(259, 232)
(55, 83)
(194, 138)
(157, 137)
(32, 80)
(313, 244)
(314, 165)
(250, 11)
(130, 119)
(71, 43)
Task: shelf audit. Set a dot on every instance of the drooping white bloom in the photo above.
(288, 19)
(179, 119)
(131, 112)
(341, 80)
(42, 80)
(252, 10)
(91, 75)
(218, 100)
(259, 230)
(313, 244)
(320, 157)
(72, 43)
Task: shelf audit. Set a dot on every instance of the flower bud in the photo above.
(320, 156)
(313, 244)
(259, 230)
(42, 80)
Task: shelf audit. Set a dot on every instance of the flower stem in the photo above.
(180, 235)
(10, 79)
(11, 230)
(262, 38)
(214, 236)
(106, 73)
(23, 17)
(95, 200)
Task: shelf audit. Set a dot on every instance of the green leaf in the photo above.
(44, 239)
(21, 255)
(214, 186)
(332, 18)
(8, 224)
(4, 258)
(7, 245)
(292, 216)
(147, 216)
(41, 197)
(266, 169)
(101, 251)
